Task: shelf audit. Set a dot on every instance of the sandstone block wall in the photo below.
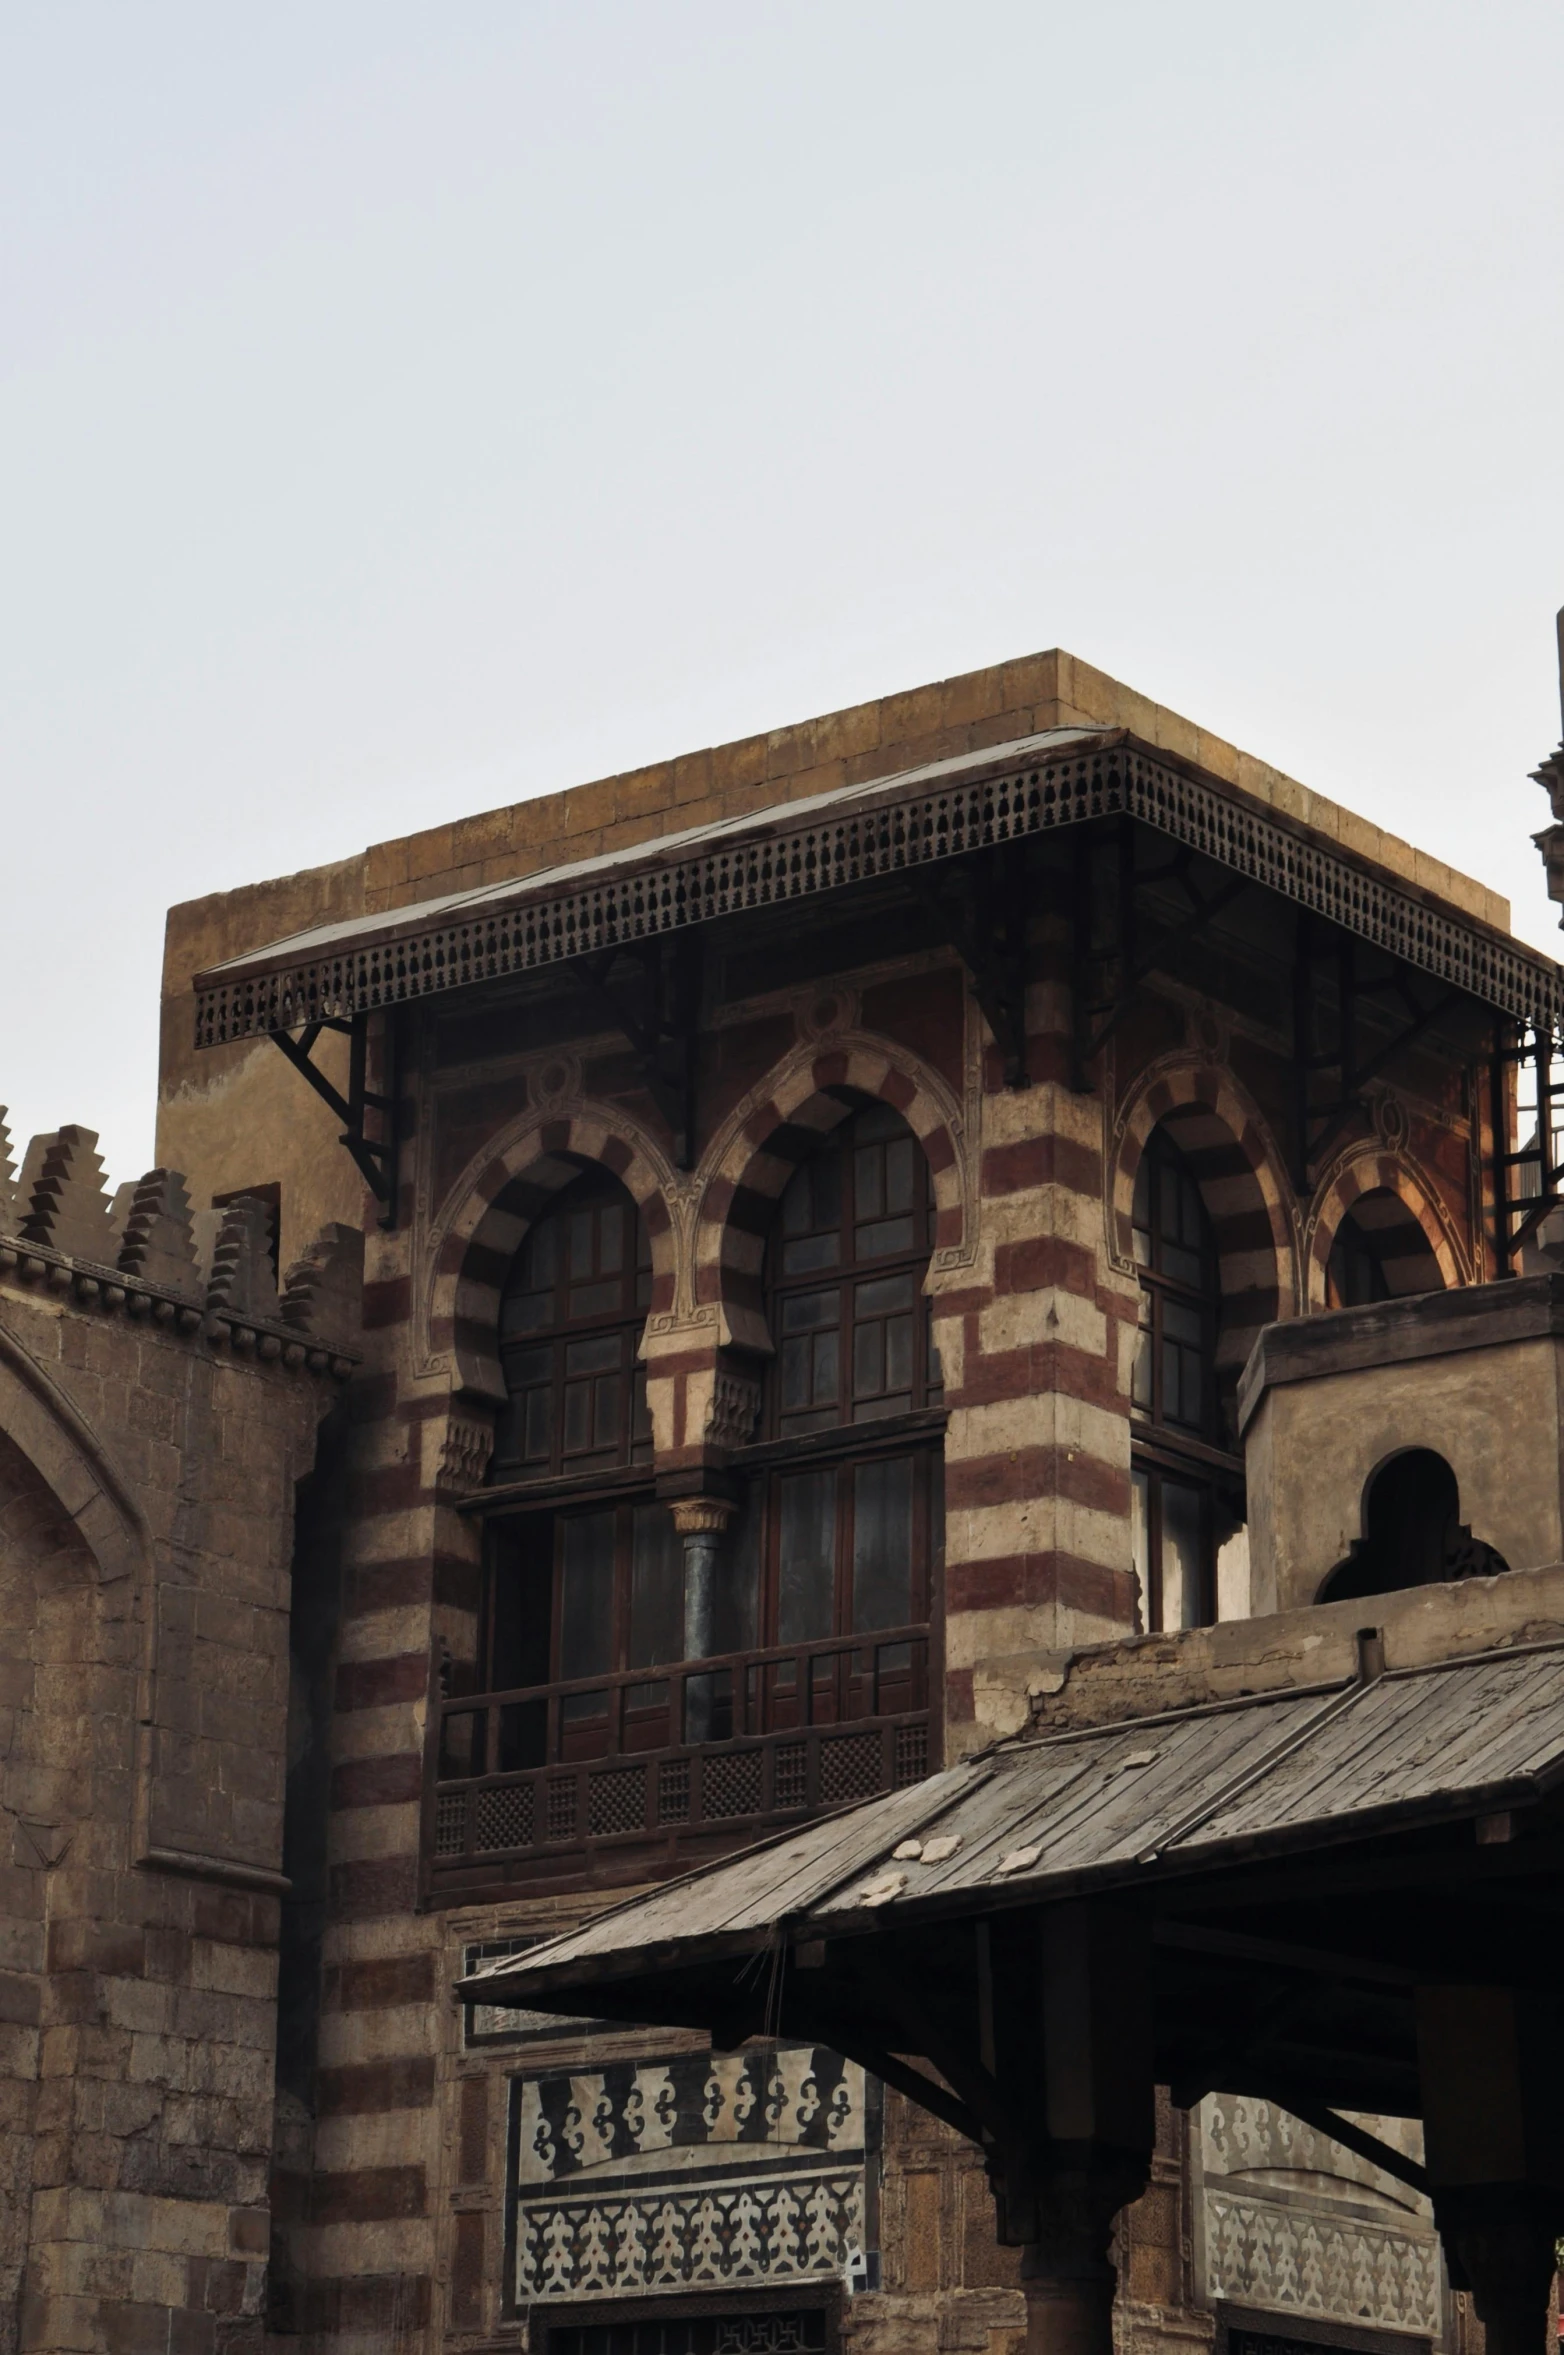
(158, 1402)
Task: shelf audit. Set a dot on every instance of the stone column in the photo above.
(700, 1522)
(1492, 2086)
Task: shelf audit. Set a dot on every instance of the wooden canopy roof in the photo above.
(1302, 1859)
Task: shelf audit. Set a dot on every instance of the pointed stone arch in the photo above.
(47, 1429)
(763, 1140)
(1373, 1168)
(1241, 1174)
(496, 1200)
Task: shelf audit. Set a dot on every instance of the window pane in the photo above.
(578, 1418)
(827, 1367)
(738, 1576)
(881, 1294)
(581, 1225)
(1140, 1215)
(868, 1361)
(1182, 1323)
(1140, 1542)
(521, 1579)
(869, 1182)
(607, 1404)
(540, 1259)
(880, 1240)
(1181, 1265)
(882, 1544)
(1182, 1551)
(592, 1357)
(1141, 1380)
(540, 1424)
(656, 1589)
(596, 1300)
(527, 1312)
(586, 1601)
(900, 1158)
(565, 1407)
(803, 1312)
(810, 1252)
(807, 1569)
(797, 1376)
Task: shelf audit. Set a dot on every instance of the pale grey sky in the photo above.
(407, 409)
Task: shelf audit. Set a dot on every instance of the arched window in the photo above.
(631, 1687)
(590, 1583)
(1186, 1494)
(1413, 1534)
(840, 1535)
(1379, 1252)
(845, 1266)
(570, 1326)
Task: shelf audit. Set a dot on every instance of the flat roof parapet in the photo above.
(1399, 1332)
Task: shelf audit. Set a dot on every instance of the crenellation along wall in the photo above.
(159, 1400)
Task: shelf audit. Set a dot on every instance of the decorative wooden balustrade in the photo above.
(617, 1775)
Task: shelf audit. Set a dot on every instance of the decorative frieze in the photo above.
(700, 2170)
(1303, 2260)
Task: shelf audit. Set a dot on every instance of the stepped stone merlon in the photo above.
(156, 1238)
(322, 1291)
(7, 1178)
(62, 1198)
(240, 1279)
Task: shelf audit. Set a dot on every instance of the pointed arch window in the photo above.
(841, 1534)
(1186, 1485)
(571, 1317)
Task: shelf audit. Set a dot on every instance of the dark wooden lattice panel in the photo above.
(503, 1818)
(617, 1800)
(850, 1768)
(731, 1784)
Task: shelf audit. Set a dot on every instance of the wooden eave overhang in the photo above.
(1150, 1810)
(917, 818)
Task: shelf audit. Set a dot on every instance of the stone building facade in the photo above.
(159, 1407)
(818, 1199)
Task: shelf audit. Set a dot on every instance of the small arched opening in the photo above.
(1186, 1479)
(1413, 1534)
(1379, 1251)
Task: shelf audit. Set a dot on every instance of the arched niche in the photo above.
(1413, 1534)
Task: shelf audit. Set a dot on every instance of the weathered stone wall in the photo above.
(1476, 1377)
(158, 1401)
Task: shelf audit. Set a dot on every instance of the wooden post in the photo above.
(1491, 2078)
(1079, 2067)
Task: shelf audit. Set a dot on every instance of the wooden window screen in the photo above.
(571, 1317)
(845, 1264)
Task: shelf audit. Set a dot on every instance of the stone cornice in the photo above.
(114, 1292)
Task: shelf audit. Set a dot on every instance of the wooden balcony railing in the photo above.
(685, 1758)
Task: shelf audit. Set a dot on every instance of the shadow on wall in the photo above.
(1413, 1534)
